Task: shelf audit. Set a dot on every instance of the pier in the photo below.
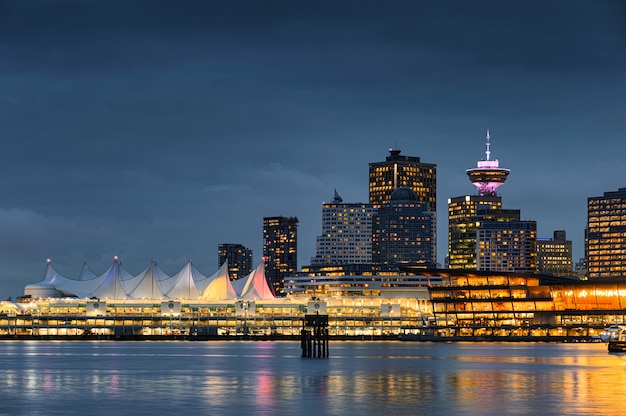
(314, 336)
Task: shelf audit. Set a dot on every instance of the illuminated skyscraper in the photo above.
(280, 249)
(504, 243)
(554, 255)
(462, 210)
(605, 235)
(239, 259)
(346, 234)
(397, 171)
(404, 232)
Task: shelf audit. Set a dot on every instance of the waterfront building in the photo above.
(499, 305)
(118, 304)
(399, 170)
(404, 231)
(346, 233)
(280, 249)
(414, 302)
(605, 235)
(554, 255)
(238, 257)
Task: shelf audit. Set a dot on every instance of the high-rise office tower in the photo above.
(239, 259)
(462, 211)
(280, 250)
(605, 235)
(398, 170)
(346, 234)
(554, 255)
(487, 176)
(504, 243)
(404, 232)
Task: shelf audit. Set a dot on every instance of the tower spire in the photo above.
(487, 176)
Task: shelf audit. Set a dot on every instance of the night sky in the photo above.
(160, 129)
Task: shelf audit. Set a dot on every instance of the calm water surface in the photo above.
(270, 378)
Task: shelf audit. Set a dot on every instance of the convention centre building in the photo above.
(412, 304)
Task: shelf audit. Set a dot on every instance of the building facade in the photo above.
(404, 232)
(499, 305)
(398, 170)
(462, 211)
(504, 243)
(424, 304)
(239, 259)
(280, 250)
(346, 233)
(605, 235)
(554, 255)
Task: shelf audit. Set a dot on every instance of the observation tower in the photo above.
(488, 175)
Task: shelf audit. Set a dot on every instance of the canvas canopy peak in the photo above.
(151, 283)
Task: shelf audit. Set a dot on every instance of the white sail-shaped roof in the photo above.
(48, 286)
(184, 286)
(256, 286)
(52, 277)
(86, 273)
(152, 283)
(219, 285)
(66, 286)
(145, 285)
(202, 281)
(239, 285)
(110, 283)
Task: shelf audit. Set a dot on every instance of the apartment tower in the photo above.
(280, 250)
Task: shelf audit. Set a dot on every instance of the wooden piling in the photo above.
(314, 336)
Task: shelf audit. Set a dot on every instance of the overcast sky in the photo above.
(160, 129)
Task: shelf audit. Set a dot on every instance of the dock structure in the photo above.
(314, 336)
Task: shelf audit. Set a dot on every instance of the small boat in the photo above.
(618, 344)
(609, 333)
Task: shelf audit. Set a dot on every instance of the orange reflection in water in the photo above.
(583, 382)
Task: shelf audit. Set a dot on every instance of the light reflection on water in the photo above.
(270, 378)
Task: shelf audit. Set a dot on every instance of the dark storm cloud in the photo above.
(160, 129)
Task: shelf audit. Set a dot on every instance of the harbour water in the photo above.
(270, 378)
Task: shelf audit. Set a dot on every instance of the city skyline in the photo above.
(160, 130)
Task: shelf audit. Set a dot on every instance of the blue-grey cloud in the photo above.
(160, 129)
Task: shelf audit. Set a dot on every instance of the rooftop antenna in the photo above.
(488, 152)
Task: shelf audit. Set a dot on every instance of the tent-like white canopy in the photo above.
(152, 283)
(219, 286)
(255, 286)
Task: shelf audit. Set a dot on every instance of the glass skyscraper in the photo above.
(239, 259)
(605, 236)
(280, 250)
(404, 232)
(462, 224)
(398, 170)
